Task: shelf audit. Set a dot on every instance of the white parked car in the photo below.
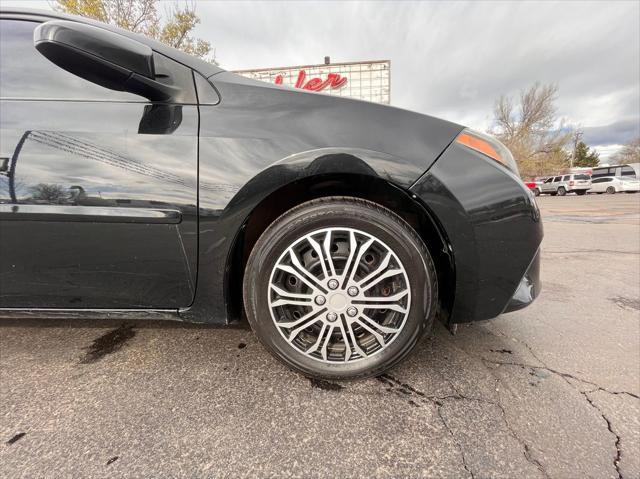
(563, 184)
(613, 185)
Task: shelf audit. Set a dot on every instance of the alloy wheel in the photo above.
(339, 295)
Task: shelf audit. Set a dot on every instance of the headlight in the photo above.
(488, 146)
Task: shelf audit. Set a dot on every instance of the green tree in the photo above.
(141, 16)
(532, 131)
(583, 156)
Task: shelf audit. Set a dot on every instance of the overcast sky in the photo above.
(453, 59)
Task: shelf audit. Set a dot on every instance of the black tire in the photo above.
(611, 190)
(536, 192)
(562, 191)
(364, 216)
(581, 192)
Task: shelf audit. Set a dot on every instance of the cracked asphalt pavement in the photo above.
(552, 391)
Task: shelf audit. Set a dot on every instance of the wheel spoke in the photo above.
(388, 274)
(294, 272)
(380, 299)
(347, 345)
(326, 342)
(393, 307)
(316, 246)
(377, 335)
(353, 343)
(304, 325)
(384, 329)
(383, 265)
(289, 302)
(311, 316)
(296, 262)
(363, 248)
(282, 292)
(315, 345)
(353, 244)
(288, 298)
(327, 251)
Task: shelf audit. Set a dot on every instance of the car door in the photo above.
(547, 186)
(599, 185)
(98, 188)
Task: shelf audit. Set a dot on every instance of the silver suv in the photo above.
(578, 183)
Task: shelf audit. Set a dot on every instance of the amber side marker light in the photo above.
(480, 145)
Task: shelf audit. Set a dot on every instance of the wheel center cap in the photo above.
(338, 302)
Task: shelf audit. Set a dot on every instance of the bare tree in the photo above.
(141, 16)
(49, 192)
(629, 153)
(532, 130)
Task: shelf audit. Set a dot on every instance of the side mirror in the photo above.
(102, 57)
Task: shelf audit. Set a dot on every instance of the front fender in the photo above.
(220, 227)
(325, 161)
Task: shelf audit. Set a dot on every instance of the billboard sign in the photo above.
(369, 81)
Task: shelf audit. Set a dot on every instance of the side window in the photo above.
(627, 171)
(26, 74)
(556, 179)
(566, 178)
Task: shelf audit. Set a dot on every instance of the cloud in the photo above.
(453, 59)
(613, 134)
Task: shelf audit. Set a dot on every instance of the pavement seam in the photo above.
(404, 389)
(436, 400)
(616, 459)
(565, 377)
(561, 374)
(551, 370)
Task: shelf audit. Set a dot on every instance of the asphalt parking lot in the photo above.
(552, 391)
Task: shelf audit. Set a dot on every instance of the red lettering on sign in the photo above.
(333, 81)
(314, 84)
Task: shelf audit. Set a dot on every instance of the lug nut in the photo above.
(352, 291)
(333, 284)
(320, 300)
(331, 317)
(352, 311)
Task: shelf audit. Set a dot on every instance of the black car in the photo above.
(138, 181)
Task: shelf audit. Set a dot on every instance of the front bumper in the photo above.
(529, 287)
(492, 224)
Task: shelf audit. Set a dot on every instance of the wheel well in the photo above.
(361, 186)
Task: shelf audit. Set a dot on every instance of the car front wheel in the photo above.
(340, 288)
(611, 190)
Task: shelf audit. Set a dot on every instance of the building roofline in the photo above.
(299, 67)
